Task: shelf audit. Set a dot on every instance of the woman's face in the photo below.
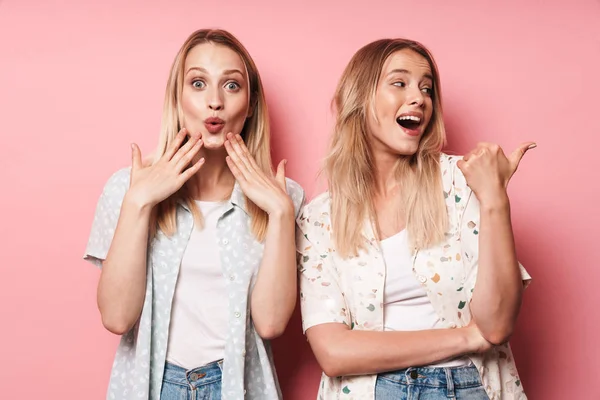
(403, 104)
(215, 97)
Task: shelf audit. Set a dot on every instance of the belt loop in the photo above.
(449, 384)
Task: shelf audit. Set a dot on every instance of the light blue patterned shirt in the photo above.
(137, 372)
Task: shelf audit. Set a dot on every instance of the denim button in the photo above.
(414, 374)
(194, 376)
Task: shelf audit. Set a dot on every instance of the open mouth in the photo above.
(409, 121)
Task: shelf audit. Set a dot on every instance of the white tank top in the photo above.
(199, 313)
(406, 305)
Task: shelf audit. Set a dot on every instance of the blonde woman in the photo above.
(409, 282)
(197, 245)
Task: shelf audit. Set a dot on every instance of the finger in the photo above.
(176, 145)
(281, 174)
(136, 157)
(191, 171)
(241, 156)
(246, 152)
(237, 173)
(236, 161)
(517, 155)
(187, 158)
(183, 150)
(461, 164)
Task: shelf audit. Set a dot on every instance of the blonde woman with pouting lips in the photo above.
(409, 282)
(197, 246)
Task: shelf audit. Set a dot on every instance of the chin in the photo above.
(405, 149)
(213, 144)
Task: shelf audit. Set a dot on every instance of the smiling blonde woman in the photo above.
(410, 286)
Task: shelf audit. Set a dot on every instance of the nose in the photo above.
(416, 97)
(215, 100)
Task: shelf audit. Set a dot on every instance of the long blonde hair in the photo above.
(256, 131)
(350, 167)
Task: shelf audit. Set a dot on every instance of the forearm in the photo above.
(498, 289)
(122, 285)
(274, 294)
(351, 352)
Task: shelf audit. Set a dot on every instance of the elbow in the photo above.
(270, 331)
(499, 335)
(116, 325)
(331, 369)
(330, 362)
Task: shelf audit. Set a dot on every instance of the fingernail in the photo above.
(284, 162)
(532, 146)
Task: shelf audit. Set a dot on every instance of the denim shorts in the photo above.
(202, 383)
(458, 383)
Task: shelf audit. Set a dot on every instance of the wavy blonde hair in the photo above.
(350, 167)
(256, 130)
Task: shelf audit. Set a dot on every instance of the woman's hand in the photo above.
(477, 342)
(488, 170)
(267, 192)
(154, 183)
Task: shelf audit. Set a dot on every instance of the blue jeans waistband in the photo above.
(455, 377)
(196, 377)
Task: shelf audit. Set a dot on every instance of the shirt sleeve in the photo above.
(106, 217)
(321, 297)
(469, 233)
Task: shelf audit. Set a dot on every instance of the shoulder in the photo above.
(316, 213)
(115, 189)
(295, 191)
(452, 176)
(118, 181)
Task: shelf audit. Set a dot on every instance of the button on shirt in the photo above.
(248, 369)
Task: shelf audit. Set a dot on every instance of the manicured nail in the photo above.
(532, 146)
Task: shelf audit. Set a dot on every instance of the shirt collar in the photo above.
(237, 199)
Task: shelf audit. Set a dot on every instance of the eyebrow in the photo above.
(405, 71)
(226, 72)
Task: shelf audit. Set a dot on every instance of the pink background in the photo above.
(80, 80)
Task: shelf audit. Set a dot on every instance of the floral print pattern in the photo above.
(351, 291)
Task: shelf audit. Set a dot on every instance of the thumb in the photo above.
(136, 157)
(280, 177)
(517, 155)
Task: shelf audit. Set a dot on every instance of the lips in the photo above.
(410, 123)
(214, 124)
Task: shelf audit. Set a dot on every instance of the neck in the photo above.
(214, 181)
(386, 182)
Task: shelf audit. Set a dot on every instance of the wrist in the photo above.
(283, 211)
(497, 201)
(134, 201)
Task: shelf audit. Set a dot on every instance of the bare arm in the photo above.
(274, 295)
(122, 285)
(498, 290)
(341, 351)
(497, 295)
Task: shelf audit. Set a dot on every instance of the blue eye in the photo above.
(198, 84)
(232, 86)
